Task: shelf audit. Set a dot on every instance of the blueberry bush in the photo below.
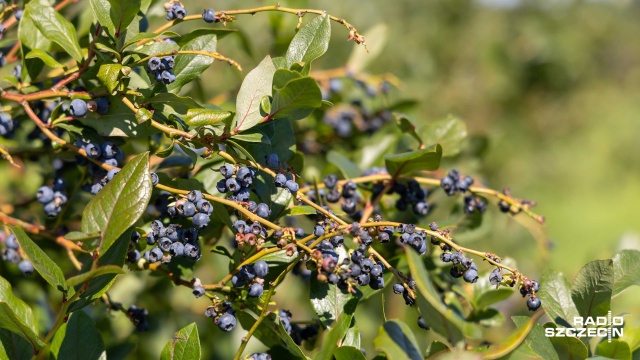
(309, 174)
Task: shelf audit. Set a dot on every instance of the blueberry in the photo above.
(93, 150)
(421, 208)
(292, 186)
(237, 280)
(535, 285)
(170, 15)
(133, 256)
(280, 180)
(242, 195)
(190, 235)
(299, 232)
(244, 174)
(227, 170)
(154, 179)
(376, 271)
(495, 278)
(240, 226)
(263, 210)
(111, 173)
(169, 62)
(398, 288)
(210, 312)
(198, 291)
(176, 249)
(221, 186)
(51, 209)
(366, 265)
(376, 283)
(330, 181)
(455, 272)
(272, 161)
(11, 255)
(153, 64)
(363, 279)
(227, 322)
(355, 270)
(200, 220)
(151, 238)
(445, 257)
(26, 268)
(208, 15)
(17, 71)
(78, 108)
(232, 185)
(470, 275)
(188, 209)
(192, 252)
(157, 227)
(11, 242)
(252, 206)
(18, 14)
(59, 184)
(44, 194)
(155, 255)
(255, 291)
(349, 189)
(167, 77)
(261, 268)
(318, 231)
(504, 206)
(164, 244)
(103, 105)
(135, 237)
(337, 241)
(349, 206)
(194, 196)
(533, 303)
(422, 323)
(204, 207)
(179, 11)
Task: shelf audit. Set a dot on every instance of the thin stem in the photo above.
(5, 154)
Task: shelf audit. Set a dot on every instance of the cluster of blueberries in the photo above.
(193, 206)
(462, 266)
(297, 333)
(175, 11)
(401, 289)
(7, 125)
(531, 287)
(417, 239)
(107, 153)
(161, 69)
(138, 317)
(52, 197)
(252, 275)
(12, 255)
(237, 185)
(223, 316)
(259, 356)
(250, 234)
(411, 195)
(171, 241)
(472, 205)
(453, 183)
(78, 107)
(349, 195)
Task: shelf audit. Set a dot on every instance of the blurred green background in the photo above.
(554, 87)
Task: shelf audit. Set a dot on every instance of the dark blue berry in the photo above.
(198, 291)
(272, 161)
(533, 303)
(176, 249)
(422, 323)
(26, 267)
(261, 268)
(208, 15)
(398, 288)
(470, 276)
(200, 220)
(255, 291)
(263, 210)
(227, 322)
(103, 105)
(93, 151)
(78, 108)
(292, 186)
(133, 256)
(154, 179)
(44, 194)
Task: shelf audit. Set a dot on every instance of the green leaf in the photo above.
(568, 347)
(328, 300)
(41, 262)
(189, 67)
(442, 318)
(296, 100)
(625, 270)
(119, 121)
(46, 58)
(80, 236)
(16, 316)
(203, 117)
(78, 336)
(282, 76)
(84, 277)
(306, 210)
(348, 353)
(164, 153)
(348, 168)
(29, 34)
(115, 15)
(254, 136)
(13, 346)
(352, 337)
(592, 287)
(271, 333)
(310, 42)
(109, 75)
(397, 341)
(555, 295)
(485, 294)
(173, 104)
(184, 345)
(425, 159)
(256, 84)
(450, 133)
(536, 341)
(120, 203)
(115, 255)
(511, 343)
(338, 331)
(55, 28)
(615, 349)
(407, 126)
(143, 115)
(436, 347)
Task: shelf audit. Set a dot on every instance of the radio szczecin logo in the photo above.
(602, 326)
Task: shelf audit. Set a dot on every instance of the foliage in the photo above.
(152, 182)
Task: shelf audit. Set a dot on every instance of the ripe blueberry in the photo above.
(200, 220)
(261, 268)
(533, 303)
(272, 160)
(44, 194)
(78, 108)
(26, 267)
(292, 186)
(422, 323)
(208, 15)
(198, 291)
(227, 322)
(255, 291)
